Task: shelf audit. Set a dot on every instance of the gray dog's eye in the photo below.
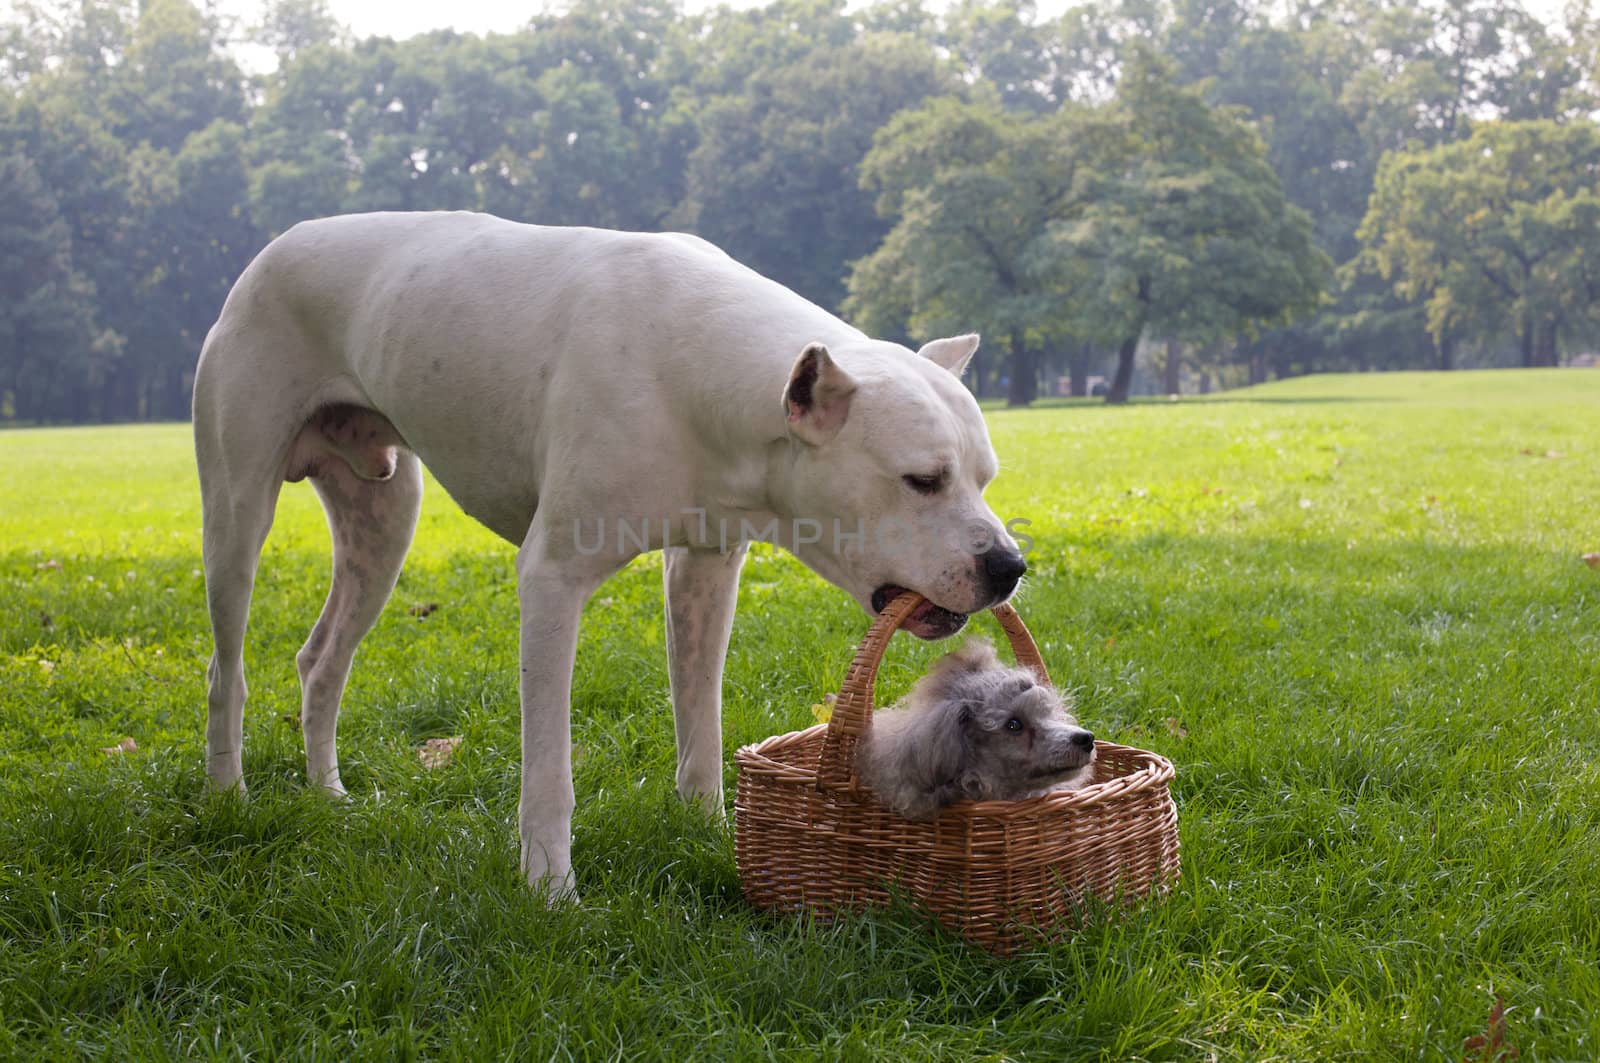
(1014, 725)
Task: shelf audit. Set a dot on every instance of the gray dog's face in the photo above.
(1019, 736)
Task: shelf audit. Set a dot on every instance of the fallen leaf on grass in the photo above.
(1490, 1046)
(127, 745)
(436, 752)
(1592, 560)
(1175, 727)
(822, 711)
(422, 609)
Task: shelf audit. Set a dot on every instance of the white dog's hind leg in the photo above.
(702, 588)
(372, 522)
(551, 593)
(237, 515)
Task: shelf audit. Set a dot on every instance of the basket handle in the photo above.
(852, 709)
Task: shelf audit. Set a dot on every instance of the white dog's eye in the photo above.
(1014, 725)
(924, 485)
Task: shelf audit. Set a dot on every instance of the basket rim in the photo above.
(1153, 771)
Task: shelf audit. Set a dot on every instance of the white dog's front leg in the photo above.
(550, 593)
(702, 588)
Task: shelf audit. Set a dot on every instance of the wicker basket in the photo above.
(1000, 873)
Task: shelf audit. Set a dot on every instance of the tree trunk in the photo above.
(1547, 354)
(1258, 367)
(1446, 345)
(1172, 382)
(1024, 373)
(1078, 371)
(1124, 375)
(78, 400)
(1528, 330)
(179, 397)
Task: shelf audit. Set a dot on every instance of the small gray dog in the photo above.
(973, 728)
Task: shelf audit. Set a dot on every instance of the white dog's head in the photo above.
(886, 462)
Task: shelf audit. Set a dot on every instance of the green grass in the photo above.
(1351, 610)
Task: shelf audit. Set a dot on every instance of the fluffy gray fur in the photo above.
(972, 728)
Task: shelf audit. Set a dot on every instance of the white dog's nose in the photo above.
(1003, 568)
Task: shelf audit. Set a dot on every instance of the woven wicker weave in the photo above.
(1000, 873)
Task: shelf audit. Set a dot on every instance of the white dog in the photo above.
(587, 395)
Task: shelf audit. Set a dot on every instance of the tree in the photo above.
(1001, 43)
(48, 333)
(173, 78)
(1494, 233)
(1181, 223)
(775, 178)
(972, 190)
(569, 123)
(290, 27)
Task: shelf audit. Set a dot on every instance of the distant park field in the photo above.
(1354, 611)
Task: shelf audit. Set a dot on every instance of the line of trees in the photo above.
(1234, 187)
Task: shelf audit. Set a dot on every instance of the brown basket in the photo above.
(1000, 873)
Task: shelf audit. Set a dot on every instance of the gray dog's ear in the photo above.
(817, 398)
(951, 669)
(952, 352)
(976, 656)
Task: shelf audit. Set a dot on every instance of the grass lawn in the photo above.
(1353, 611)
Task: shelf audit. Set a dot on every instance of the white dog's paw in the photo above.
(555, 891)
(223, 776)
(333, 791)
(708, 802)
(556, 884)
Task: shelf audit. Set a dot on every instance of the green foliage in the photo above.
(1184, 225)
(169, 166)
(972, 190)
(172, 78)
(1495, 233)
(775, 178)
(1155, 211)
(47, 323)
(1351, 610)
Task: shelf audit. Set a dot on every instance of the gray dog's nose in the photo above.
(1083, 740)
(1003, 567)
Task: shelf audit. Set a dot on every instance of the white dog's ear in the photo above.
(952, 352)
(817, 398)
